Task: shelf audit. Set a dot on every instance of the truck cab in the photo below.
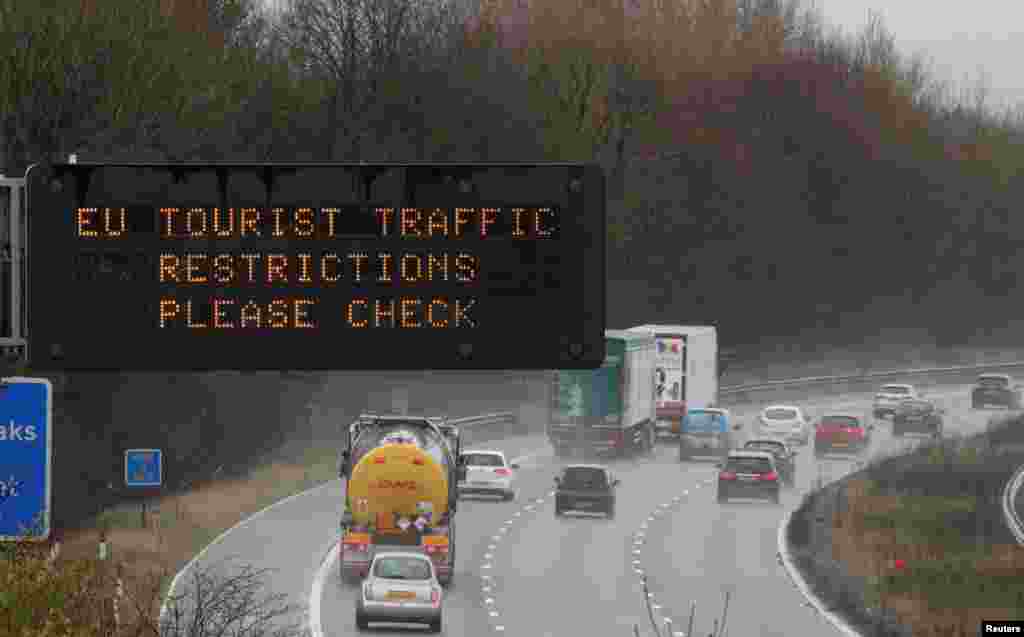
(706, 432)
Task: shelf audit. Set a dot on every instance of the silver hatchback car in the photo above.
(401, 587)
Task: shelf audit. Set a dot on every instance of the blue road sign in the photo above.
(143, 468)
(26, 451)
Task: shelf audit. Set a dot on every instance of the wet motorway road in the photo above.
(521, 571)
(524, 572)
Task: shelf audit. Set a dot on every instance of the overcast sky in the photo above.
(963, 41)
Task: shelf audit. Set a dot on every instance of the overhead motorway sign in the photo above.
(26, 452)
(281, 266)
(143, 468)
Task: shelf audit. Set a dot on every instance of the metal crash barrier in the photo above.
(13, 271)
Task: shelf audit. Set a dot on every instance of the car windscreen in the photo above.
(992, 383)
(780, 414)
(764, 445)
(584, 477)
(839, 421)
(748, 465)
(483, 460)
(895, 389)
(409, 568)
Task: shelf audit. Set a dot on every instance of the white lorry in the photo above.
(686, 362)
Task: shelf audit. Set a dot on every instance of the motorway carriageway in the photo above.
(521, 571)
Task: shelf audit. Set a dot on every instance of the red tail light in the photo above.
(502, 471)
(435, 597)
(378, 460)
(616, 438)
(771, 476)
(357, 547)
(727, 475)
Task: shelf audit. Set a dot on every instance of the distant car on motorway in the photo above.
(841, 434)
(917, 416)
(889, 397)
(585, 487)
(995, 390)
(400, 587)
(488, 473)
(746, 473)
(706, 432)
(785, 421)
(785, 457)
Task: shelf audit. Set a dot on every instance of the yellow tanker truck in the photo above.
(401, 473)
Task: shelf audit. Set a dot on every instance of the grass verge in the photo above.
(916, 544)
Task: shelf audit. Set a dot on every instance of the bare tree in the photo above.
(218, 602)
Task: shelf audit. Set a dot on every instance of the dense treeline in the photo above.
(765, 174)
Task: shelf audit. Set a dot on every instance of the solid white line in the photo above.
(217, 540)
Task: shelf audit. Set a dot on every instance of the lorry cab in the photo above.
(706, 432)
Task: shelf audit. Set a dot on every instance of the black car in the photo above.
(585, 487)
(748, 474)
(995, 390)
(785, 458)
(917, 416)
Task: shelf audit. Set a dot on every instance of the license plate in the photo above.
(584, 505)
(840, 444)
(747, 478)
(401, 595)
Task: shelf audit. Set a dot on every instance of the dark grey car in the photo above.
(995, 390)
(785, 458)
(748, 474)
(917, 416)
(585, 487)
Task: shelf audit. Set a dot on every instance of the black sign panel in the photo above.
(316, 266)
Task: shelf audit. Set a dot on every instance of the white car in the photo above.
(889, 397)
(487, 473)
(788, 422)
(400, 587)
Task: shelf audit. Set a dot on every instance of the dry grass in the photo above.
(868, 552)
(187, 522)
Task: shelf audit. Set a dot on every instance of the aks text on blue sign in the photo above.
(26, 452)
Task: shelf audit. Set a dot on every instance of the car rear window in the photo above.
(483, 460)
(584, 477)
(895, 389)
(748, 465)
(773, 447)
(992, 383)
(840, 421)
(780, 414)
(914, 405)
(409, 568)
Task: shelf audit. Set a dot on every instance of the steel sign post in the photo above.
(26, 452)
(143, 468)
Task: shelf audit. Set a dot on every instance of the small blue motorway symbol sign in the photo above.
(143, 468)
